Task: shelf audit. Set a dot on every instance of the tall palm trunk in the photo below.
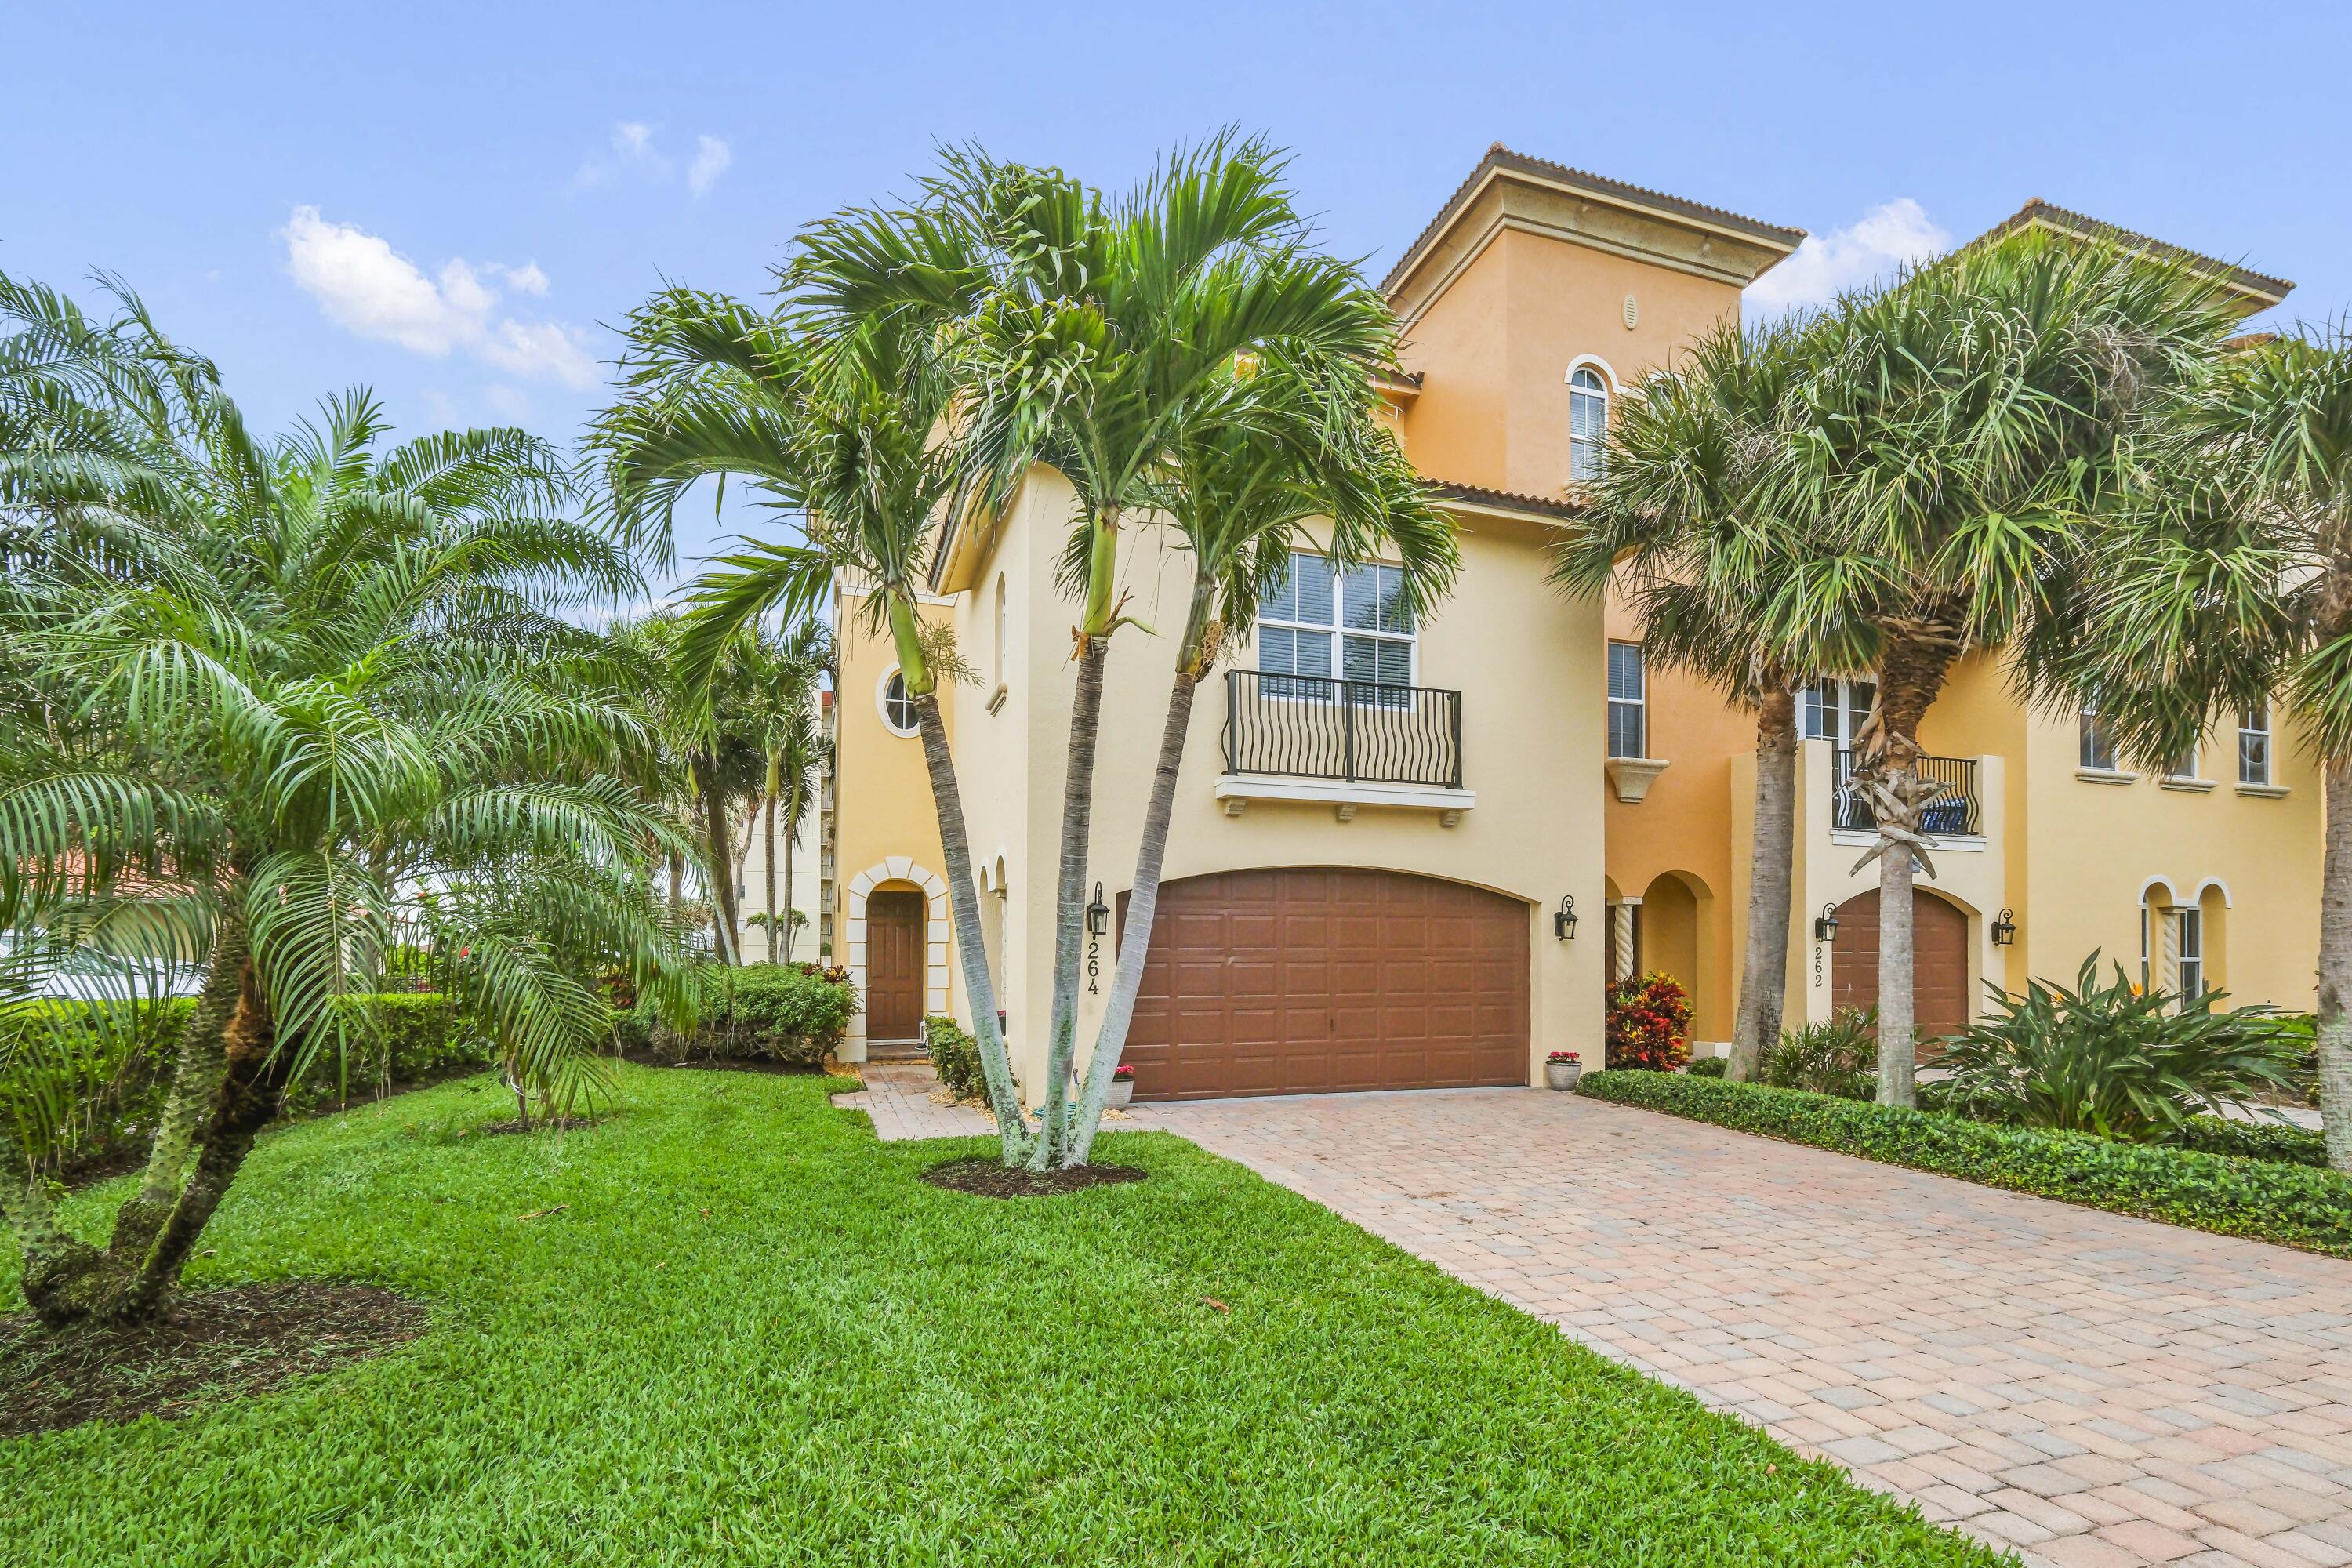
(792, 831)
(955, 847)
(1764, 969)
(1070, 897)
(1194, 656)
(718, 850)
(1911, 674)
(2334, 1023)
(768, 868)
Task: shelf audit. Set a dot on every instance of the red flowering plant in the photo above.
(1649, 1024)
(1561, 1056)
(1123, 1073)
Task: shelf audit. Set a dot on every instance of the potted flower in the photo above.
(1561, 1069)
(1122, 1084)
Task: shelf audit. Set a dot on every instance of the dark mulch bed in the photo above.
(222, 1345)
(994, 1179)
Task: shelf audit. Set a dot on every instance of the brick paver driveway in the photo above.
(2097, 1389)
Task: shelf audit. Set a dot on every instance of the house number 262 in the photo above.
(1817, 966)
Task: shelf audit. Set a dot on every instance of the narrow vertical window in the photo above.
(2189, 943)
(2254, 745)
(2098, 749)
(1628, 701)
(1588, 424)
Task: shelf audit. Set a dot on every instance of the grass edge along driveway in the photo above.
(838, 1364)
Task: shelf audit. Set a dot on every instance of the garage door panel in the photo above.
(1308, 980)
(1939, 946)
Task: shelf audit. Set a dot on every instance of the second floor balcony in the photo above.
(1957, 812)
(1345, 742)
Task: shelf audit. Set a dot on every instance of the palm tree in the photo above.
(1957, 424)
(321, 704)
(2221, 577)
(1089, 336)
(1242, 494)
(785, 681)
(842, 434)
(1683, 521)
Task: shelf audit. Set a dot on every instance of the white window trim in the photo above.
(1339, 631)
(2269, 732)
(1610, 389)
(882, 705)
(1642, 703)
(1842, 739)
(2090, 767)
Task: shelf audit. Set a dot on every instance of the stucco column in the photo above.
(1620, 932)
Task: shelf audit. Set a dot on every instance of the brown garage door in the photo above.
(1939, 962)
(1312, 979)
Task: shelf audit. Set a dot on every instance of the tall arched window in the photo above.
(1588, 424)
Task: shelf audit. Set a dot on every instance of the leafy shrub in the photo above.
(2286, 1204)
(1709, 1067)
(794, 1013)
(955, 1055)
(1649, 1024)
(1839, 1057)
(2104, 1059)
(2252, 1141)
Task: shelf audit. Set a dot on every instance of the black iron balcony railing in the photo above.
(1362, 732)
(1957, 812)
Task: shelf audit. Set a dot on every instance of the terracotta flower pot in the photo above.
(1562, 1075)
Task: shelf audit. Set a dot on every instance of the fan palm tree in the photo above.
(842, 434)
(312, 710)
(2220, 579)
(1957, 424)
(1090, 336)
(1684, 522)
(1242, 494)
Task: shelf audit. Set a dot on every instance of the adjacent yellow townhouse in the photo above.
(1410, 855)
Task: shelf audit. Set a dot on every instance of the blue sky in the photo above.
(451, 203)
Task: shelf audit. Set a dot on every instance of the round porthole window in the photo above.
(898, 708)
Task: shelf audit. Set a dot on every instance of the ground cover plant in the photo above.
(2269, 1200)
(729, 1325)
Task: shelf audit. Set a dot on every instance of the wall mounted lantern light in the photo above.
(1563, 920)
(1097, 914)
(1825, 926)
(2004, 929)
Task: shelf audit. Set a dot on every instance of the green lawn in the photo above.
(844, 1365)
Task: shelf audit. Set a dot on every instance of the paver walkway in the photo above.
(2097, 1389)
(897, 1095)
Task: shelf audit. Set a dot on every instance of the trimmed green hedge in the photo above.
(791, 1012)
(2274, 1141)
(955, 1055)
(2269, 1201)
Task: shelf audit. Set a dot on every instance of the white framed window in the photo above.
(2181, 765)
(897, 707)
(1629, 702)
(2188, 952)
(1588, 424)
(2097, 747)
(2254, 744)
(1349, 626)
(1834, 710)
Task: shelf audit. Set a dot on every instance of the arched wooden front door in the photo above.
(1939, 964)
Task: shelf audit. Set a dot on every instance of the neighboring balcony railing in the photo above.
(1957, 812)
(1362, 732)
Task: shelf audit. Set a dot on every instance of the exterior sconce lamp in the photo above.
(2004, 929)
(1826, 924)
(1097, 914)
(1563, 920)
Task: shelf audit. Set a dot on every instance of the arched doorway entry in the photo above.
(1939, 967)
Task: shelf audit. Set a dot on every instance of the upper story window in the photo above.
(2181, 765)
(1588, 424)
(2254, 745)
(2097, 747)
(1629, 702)
(1351, 624)
(1834, 710)
(898, 708)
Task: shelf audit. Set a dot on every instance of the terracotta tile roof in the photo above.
(1505, 501)
(2068, 221)
(1501, 157)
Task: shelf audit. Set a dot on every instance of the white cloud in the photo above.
(507, 401)
(372, 290)
(634, 139)
(1887, 237)
(711, 157)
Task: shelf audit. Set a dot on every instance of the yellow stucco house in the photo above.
(1366, 893)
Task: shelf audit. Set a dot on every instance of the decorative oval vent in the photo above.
(1633, 313)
